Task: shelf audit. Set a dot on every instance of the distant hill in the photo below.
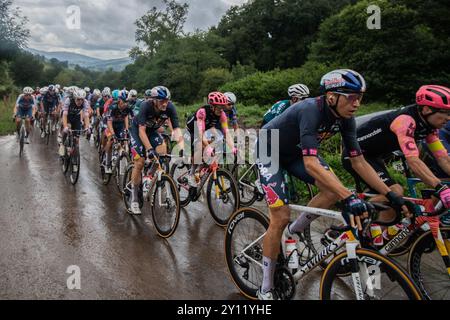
(84, 61)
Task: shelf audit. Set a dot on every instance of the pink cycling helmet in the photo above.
(217, 98)
(433, 96)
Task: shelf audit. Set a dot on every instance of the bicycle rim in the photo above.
(387, 279)
(246, 184)
(179, 172)
(165, 207)
(244, 249)
(427, 268)
(75, 167)
(222, 197)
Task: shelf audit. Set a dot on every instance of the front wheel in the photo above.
(75, 166)
(244, 249)
(121, 167)
(380, 279)
(222, 196)
(127, 189)
(246, 176)
(428, 268)
(179, 172)
(165, 206)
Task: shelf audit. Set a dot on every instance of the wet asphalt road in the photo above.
(47, 225)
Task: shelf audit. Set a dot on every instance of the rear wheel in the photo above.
(179, 172)
(246, 176)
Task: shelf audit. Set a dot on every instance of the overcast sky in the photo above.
(107, 26)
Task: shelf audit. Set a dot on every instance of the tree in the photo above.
(157, 26)
(26, 69)
(13, 34)
(395, 60)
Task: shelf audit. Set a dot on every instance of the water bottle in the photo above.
(146, 181)
(377, 235)
(291, 253)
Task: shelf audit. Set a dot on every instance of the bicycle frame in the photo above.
(348, 238)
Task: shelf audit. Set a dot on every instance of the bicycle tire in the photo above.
(127, 191)
(245, 202)
(47, 133)
(395, 273)
(21, 143)
(75, 161)
(222, 219)
(106, 177)
(119, 177)
(425, 244)
(247, 287)
(160, 228)
(185, 198)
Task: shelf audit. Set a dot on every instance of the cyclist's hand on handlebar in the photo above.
(399, 204)
(443, 193)
(355, 206)
(151, 153)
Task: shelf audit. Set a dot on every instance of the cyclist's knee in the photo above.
(279, 217)
(398, 189)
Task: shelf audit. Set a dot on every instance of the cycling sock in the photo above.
(302, 222)
(134, 193)
(268, 271)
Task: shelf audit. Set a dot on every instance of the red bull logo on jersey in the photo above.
(273, 200)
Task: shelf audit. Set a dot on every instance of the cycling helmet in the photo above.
(132, 93)
(217, 98)
(119, 94)
(28, 90)
(79, 94)
(343, 80)
(87, 89)
(106, 92)
(148, 93)
(433, 96)
(97, 92)
(298, 91)
(231, 97)
(160, 93)
(57, 86)
(51, 87)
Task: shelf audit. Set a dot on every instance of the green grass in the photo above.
(7, 126)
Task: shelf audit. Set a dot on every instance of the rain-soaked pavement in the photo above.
(47, 225)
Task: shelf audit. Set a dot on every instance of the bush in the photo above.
(213, 78)
(266, 88)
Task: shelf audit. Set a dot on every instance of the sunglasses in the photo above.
(352, 97)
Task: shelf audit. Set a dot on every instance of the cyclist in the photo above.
(25, 107)
(49, 103)
(92, 99)
(231, 110)
(117, 123)
(400, 130)
(100, 107)
(211, 117)
(429, 159)
(145, 139)
(296, 92)
(75, 111)
(301, 128)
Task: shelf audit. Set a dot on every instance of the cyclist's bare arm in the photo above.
(368, 174)
(324, 177)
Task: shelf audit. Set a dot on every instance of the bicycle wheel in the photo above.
(246, 175)
(243, 249)
(165, 206)
(179, 173)
(47, 132)
(385, 277)
(126, 195)
(121, 167)
(106, 177)
(21, 142)
(426, 266)
(222, 196)
(75, 166)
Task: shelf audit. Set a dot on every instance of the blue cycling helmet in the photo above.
(119, 94)
(160, 93)
(343, 80)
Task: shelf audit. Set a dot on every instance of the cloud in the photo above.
(107, 26)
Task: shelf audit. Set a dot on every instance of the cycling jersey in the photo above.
(74, 113)
(115, 114)
(277, 109)
(207, 119)
(103, 104)
(25, 106)
(232, 116)
(304, 125)
(398, 130)
(135, 106)
(50, 101)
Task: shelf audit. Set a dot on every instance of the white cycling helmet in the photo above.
(87, 89)
(28, 90)
(298, 91)
(106, 92)
(132, 93)
(42, 91)
(97, 92)
(231, 97)
(57, 86)
(79, 94)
